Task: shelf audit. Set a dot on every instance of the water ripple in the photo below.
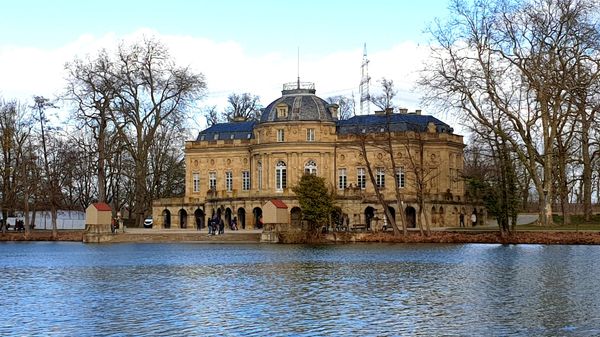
(67, 289)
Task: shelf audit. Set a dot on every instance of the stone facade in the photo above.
(233, 169)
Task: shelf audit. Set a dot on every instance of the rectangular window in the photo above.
(342, 179)
(229, 181)
(259, 175)
(361, 179)
(245, 180)
(212, 180)
(280, 177)
(380, 177)
(280, 135)
(196, 180)
(310, 135)
(400, 177)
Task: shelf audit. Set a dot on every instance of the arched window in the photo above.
(259, 174)
(280, 176)
(310, 167)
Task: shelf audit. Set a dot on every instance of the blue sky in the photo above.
(248, 46)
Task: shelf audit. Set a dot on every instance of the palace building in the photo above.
(233, 169)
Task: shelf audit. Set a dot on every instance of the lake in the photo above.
(74, 289)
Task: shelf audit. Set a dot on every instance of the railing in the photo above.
(299, 85)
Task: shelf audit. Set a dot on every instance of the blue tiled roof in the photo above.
(397, 122)
(234, 130)
(356, 124)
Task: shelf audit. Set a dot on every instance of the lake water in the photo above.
(73, 289)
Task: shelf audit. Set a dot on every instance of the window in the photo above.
(361, 179)
(282, 110)
(310, 135)
(229, 181)
(342, 179)
(280, 135)
(310, 167)
(196, 180)
(245, 180)
(259, 174)
(380, 177)
(280, 176)
(400, 177)
(212, 180)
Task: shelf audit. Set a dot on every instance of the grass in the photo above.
(577, 223)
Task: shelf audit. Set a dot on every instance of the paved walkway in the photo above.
(150, 231)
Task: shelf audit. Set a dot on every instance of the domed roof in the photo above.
(299, 103)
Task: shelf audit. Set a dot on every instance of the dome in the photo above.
(299, 103)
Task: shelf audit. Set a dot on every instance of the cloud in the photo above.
(28, 71)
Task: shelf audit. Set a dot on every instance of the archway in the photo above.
(241, 215)
(434, 217)
(296, 217)
(455, 217)
(441, 217)
(199, 216)
(166, 218)
(369, 214)
(228, 217)
(257, 213)
(411, 217)
(182, 218)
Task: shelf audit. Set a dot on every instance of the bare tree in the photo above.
(153, 92)
(385, 100)
(514, 62)
(242, 107)
(347, 105)
(212, 115)
(51, 168)
(15, 132)
(92, 87)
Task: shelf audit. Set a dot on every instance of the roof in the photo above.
(233, 130)
(302, 105)
(278, 203)
(101, 206)
(397, 122)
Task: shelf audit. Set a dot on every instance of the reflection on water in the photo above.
(72, 289)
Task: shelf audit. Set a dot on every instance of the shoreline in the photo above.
(443, 237)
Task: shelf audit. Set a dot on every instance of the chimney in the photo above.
(389, 111)
(418, 112)
(403, 110)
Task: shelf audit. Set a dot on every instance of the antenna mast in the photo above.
(298, 67)
(365, 98)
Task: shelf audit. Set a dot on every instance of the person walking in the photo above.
(461, 219)
(474, 219)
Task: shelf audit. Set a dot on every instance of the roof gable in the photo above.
(278, 203)
(101, 206)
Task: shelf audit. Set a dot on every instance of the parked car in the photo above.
(148, 222)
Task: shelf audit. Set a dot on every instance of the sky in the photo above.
(240, 46)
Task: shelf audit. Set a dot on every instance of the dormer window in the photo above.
(282, 110)
(216, 136)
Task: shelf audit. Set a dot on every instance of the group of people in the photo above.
(18, 227)
(114, 225)
(216, 225)
(461, 218)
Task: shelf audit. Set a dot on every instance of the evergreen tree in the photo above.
(315, 200)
